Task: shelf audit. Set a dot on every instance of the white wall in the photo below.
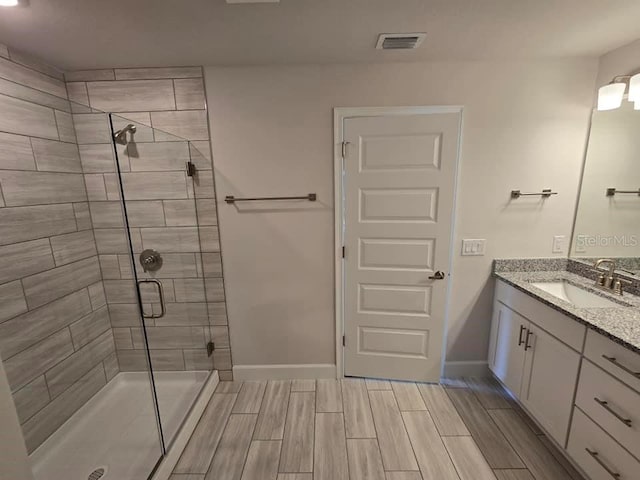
(525, 126)
(621, 61)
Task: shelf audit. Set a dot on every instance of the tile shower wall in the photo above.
(167, 211)
(56, 341)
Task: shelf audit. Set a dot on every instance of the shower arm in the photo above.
(121, 135)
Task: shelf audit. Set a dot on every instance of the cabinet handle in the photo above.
(527, 346)
(619, 365)
(594, 455)
(605, 405)
(522, 329)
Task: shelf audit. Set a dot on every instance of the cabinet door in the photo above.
(549, 383)
(506, 358)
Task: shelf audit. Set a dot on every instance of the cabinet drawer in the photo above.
(620, 415)
(560, 326)
(606, 459)
(619, 361)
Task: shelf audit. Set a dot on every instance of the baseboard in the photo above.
(283, 372)
(182, 438)
(466, 369)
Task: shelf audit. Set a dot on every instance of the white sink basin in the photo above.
(577, 296)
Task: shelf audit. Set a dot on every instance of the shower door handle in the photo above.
(158, 284)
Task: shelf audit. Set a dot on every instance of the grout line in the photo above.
(24, 85)
(48, 395)
(36, 60)
(45, 304)
(62, 360)
(39, 137)
(251, 440)
(55, 118)
(284, 431)
(86, 89)
(406, 432)
(175, 98)
(492, 422)
(33, 155)
(313, 426)
(50, 171)
(344, 429)
(453, 464)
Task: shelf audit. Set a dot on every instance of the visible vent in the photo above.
(96, 474)
(400, 41)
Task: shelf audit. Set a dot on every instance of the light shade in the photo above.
(610, 96)
(8, 3)
(634, 88)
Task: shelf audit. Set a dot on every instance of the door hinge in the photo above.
(344, 252)
(344, 149)
(344, 341)
(210, 348)
(191, 169)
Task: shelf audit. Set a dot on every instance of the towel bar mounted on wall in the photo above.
(614, 191)
(546, 193)
(231, 199)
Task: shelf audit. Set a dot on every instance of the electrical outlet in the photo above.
(473, 246)
(559, 242)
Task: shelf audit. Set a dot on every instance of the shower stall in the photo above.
(156, 235)
(112, 327)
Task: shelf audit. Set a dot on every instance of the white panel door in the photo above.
(399, 182)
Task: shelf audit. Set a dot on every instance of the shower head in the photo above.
(121, 135)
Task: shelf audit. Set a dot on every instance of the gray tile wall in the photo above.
(56, 340)
(167, 211)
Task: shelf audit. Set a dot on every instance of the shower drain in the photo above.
(96, 474)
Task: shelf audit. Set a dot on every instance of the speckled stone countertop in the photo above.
(621, 324)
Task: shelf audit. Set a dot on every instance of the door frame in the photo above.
(340, 114)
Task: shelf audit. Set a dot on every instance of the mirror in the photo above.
(607, 223)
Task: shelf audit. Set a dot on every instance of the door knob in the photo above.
(437, 276)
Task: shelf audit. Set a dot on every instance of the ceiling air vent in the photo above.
(400, 41)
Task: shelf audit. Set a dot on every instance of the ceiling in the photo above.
(76, 34)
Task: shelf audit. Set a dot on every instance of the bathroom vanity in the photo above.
(565, 333)
(570, 354)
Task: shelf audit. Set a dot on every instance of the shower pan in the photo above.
(154, 222)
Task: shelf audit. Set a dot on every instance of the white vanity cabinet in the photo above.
(560, 371)
(506, 356)
(535, 352)
(550, 375)
(605, 433)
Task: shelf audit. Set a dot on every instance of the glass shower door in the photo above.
(100, 420)
(169, 222)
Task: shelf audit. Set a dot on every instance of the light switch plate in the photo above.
(473, 246)
(559, 242)
(580, 246)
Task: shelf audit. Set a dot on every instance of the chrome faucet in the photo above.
(605, 280)
(608, 281)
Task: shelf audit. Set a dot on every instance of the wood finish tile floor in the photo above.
(353, 429)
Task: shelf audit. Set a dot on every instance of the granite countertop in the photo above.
(621, 324)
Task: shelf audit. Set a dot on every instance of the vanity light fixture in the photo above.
(610, 96)
(8, 3)
(634, 89)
